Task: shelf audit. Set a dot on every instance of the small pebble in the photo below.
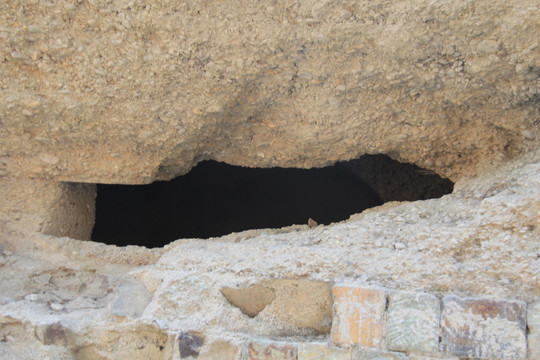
(56, 307)
(214, 109)
(31, 297)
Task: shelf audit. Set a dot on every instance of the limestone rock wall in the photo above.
(60, 209)
(131, 91)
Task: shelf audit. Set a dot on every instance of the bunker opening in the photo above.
(216, 199)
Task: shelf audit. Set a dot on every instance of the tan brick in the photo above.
(220, 349)
(322, 351)
(358, 315)
(269, 350)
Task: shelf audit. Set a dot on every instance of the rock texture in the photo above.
(481, 241)
(130, 92)
(413, 322)
(481, 328)
(60, 209)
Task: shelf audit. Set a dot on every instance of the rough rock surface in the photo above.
(54, 208)
(129, 92)
(482, 240)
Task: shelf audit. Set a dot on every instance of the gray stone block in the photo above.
(413, 322)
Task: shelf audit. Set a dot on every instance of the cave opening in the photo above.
(216, 199)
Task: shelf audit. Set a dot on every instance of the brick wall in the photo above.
(381, 324)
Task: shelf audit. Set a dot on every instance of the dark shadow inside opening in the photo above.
(216, 199)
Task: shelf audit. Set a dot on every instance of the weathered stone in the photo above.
(190, 344)
(322, 351)
(54, 334)
(533, 323)
(413, 322)
(220, 349)
(302, 303)
(251, 300)
(266, 350)
(284, 296)
(130, 298)
(437, 256)
(134, 342)
(358, 315)
(206, 87)
(483, 328)
(58, 209)
(365, 354)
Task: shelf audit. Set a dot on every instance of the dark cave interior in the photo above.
(216, 199)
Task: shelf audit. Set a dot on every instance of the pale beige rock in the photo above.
(140, 342)
(60, 209)
(130, 299)
(127, 93)
(302, 303)
(251, 300)
(220, 349)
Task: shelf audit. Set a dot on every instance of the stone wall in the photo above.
(449, 278)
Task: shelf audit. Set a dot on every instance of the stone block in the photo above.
(322, 351)
(300, 303)
(303, 304)
(482, 328)
(413, 322)
(358, 315)
(220, 349)
(533, 322)
(366, 354)
(269, 350)
(431, 357)
(130, 298)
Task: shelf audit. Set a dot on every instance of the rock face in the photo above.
(475, 252)
(129, 92)
(55, 208)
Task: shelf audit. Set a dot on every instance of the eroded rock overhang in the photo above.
(126, 92)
